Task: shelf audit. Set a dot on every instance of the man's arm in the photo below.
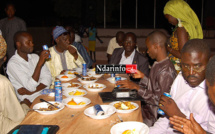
(43, 56)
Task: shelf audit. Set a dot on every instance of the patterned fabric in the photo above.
(3, 47)
(174, 45)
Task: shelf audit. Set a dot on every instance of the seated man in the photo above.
(129, 55)
(115, 42)
(27, 71)
(160, 79)
(81, 49)
(11, 112)
(188, 92)
(63, 55)
(190, 126)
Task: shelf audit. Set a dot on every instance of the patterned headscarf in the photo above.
(181, 10)
(3, 47)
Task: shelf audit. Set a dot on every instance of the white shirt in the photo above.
(189, 100)
(127, 60)
(112, 45)
(20, 74)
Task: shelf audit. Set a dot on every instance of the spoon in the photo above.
(42, 100)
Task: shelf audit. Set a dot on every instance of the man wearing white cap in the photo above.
(63, 55)
(11, 112)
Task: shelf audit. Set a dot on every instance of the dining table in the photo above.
(74, 121)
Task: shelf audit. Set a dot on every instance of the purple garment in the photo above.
(160, 79)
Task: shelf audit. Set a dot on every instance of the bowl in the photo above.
(77, 100)
(45, 105)
(70, 77)
(94, 87)
(68, 93)
(112, 79)
(125, 111)
(65, 85)
(139, 127)
(108, 110)
(85, 81)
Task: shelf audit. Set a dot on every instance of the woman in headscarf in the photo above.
(187, 26)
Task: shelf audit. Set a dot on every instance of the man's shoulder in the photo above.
(140, 55)
(117, 50)
(19, 19)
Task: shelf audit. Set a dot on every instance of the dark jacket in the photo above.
(139, 59)
(161, 77)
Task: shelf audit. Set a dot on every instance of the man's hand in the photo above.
(24, 91)
(73, 52)
(127, 84)
(169, 106)
(43, 56)
(189, 126)
(27, 102)
(138, 74)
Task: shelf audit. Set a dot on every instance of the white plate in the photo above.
(140, 127)
(108, 110)
(65, 85)
(66, 92)
(87, 82)
(70, 77)
(112, 79)
(125, 111)
(94, 85)
(92, 73)
(45, 105)
(77, 100)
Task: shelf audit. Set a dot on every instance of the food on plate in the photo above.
(73, 85)
(49, 108)
(130, 132)
(126, 105)
(64, 76)
(72, 72)
(72, 102)
(76, 93)
(82, 103)
(95, 86)
(88, 79)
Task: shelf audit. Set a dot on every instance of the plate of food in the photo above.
(74, 92)
(70, 73)
(130, 127)
(93, 74)
(87, 80)
(76, 102)
(94, 87)
(108, 111)
(68, 77)
(71, 85)
(112, 79)
(46, 109)
(124, 106)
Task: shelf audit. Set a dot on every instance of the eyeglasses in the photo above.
(196, 68)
